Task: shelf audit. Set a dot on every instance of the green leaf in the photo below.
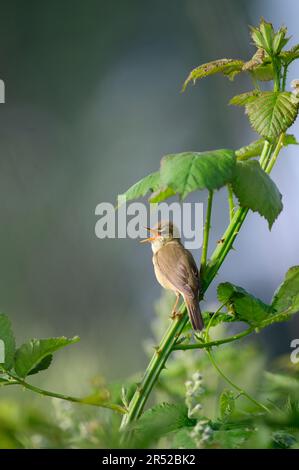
(159, 421)
(283, 440)
(282, 382)
(226, 403)
(256, 190)
(285, 302)
(183, 440)
(228, 67)
(141, 188)
(266, 38)
(263, 72)
(161, 195)
(4, 379)
(101, 398)
(252, 150)
(286, 297)
(29, 356)
(151, 183)
(272, 113)
(42, 365)
(263, 36)
(221, 317)
(291, 55)
(255, 148)
(290, 139)
(260, 66)
(190, 171)
(244, 98)
(234, 438)
(8, 341)
(243, 305)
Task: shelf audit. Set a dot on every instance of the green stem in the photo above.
(284, 77)
(277, 149)
(224, 246)
(239, 389)
(277, 70)
(174, 330)
(210, 344)
(206, 336)
(230, 202)
(265, 153)
(155, 367)
(204, 253)
(40, 391)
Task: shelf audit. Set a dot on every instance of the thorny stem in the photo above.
(240, 390)
(213, 361)
(284, 77)
(265, 153)
(230, 202)
(277, 70)
(224, 246)
(17, 381)
(277, 149)
(206, 336)
(210, 344)
(207, 227)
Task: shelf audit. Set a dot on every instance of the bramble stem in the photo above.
(265, 153)
(230, 202)
(284, 77)
(40, 391)
(155, 367)
(240, 390)
(213, 361)
(277, 149)
(224, 246)
(207, 227)
(210, 344)
(276, 69)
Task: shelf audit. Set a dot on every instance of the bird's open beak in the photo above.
(150, 239)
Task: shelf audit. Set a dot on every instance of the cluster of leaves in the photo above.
(181, 422)
(30, 357)
(235, 422)
(36, 355)
(244, 307)
(270, 113)
(191, 171)
(269, 45)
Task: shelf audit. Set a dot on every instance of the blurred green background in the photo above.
(92, 103)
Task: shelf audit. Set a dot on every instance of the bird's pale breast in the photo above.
(162, 279)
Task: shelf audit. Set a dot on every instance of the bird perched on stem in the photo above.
(176, 269)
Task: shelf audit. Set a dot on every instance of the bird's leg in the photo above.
(174, 313)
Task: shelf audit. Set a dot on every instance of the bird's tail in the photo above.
(194, 313)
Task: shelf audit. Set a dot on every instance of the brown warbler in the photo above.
(176, 269)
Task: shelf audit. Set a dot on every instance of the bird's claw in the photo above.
(175, 315)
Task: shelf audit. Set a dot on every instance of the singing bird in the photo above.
(176, 269)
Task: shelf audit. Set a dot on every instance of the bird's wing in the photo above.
(178, 266)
